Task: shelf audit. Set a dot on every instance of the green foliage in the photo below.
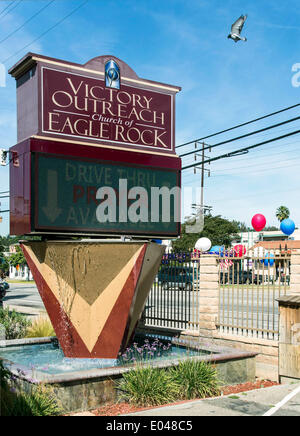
(40, 328)
(4, 375)
(282, 213)
(148, 386)
(41, 401)
(4, 267)
(14, 323)
(242, 227)
(195, 379)
(219, 230)
(8, 240)
(17, 258)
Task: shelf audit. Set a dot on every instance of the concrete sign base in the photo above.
(94, 291)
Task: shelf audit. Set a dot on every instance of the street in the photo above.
(173, 307)
(24, 295)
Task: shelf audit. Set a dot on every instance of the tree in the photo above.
(282, 213)
(17, 258)
(219, 230)
(4, 266)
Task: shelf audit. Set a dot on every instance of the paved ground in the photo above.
(274, 401)
(24, 297)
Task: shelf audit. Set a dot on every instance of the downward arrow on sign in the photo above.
(52, 211)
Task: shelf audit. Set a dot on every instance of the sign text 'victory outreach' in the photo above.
(83, 107)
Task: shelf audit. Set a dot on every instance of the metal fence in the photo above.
(248, 289)
(173, 301)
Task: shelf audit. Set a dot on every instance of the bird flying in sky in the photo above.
(237, 28)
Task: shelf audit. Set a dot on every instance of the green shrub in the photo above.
(195, 379)
(40, 402)
(40, 328)
(14, 323)
(147, 386)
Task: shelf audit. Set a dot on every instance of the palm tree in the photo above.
(282, 213)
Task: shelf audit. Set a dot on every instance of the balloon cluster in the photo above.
(268, 259)
(258, 222)
(287, 226)
(204, 245)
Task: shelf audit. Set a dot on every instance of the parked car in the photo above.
(2, 294)
(181, 277)
(5, 285)
(240, 277)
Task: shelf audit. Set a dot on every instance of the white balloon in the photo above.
(203, 244)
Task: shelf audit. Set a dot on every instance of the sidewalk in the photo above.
(250, 403)
(31, 312)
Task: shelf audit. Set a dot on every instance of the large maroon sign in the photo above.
(102, 103)
(83, 107)
(85, 131)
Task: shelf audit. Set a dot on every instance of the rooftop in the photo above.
(277, 245)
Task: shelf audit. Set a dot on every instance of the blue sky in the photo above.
(184, 43)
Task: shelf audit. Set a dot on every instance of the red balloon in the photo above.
(258, 222)
(239, 250)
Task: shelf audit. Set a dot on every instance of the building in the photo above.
(251, 238)
(21, 273)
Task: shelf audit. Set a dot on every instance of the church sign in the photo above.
(84, 108)
(96, 150)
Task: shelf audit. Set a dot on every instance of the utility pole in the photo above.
(198, 225)
(202, 180)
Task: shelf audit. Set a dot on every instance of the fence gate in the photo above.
(174, 298)
(248, 289)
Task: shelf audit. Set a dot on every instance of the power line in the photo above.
(266, 149)
(6, 7)
(259, 163)
(47, 31)
(11, 9)
(260, 170)
(243, 150)
(245, 136)
(27, 21)
(240, 125)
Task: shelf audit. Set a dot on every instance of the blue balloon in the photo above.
(158, 241)
(269, 260)
(215, 249)
(287, 226)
